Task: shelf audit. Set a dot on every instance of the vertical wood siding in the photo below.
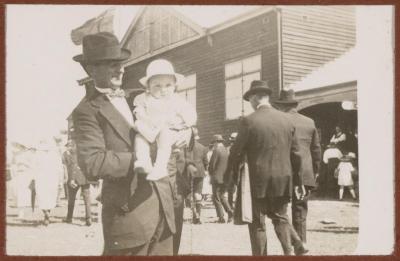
(257, 35)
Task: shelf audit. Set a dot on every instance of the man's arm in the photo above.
(93, 157)
(315, 149)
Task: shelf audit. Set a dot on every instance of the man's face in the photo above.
(162, 86)
(106, 74)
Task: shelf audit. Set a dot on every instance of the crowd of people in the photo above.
(145, 151)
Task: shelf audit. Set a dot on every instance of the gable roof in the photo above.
(204, 20)
(180, 16)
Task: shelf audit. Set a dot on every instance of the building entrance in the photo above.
(326, 117)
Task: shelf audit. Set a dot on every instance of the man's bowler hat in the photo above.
(287, 97)
(257, 86)
(101, 47)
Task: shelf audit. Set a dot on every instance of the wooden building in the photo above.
(279, 44)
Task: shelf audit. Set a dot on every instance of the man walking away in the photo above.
(310, 151)
(217, 168)
(267, 138)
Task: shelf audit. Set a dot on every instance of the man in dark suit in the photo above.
(310, 151)
(104, 138)
(197, 164)
(217, 167)
(267, 138)
(231, 189)
(76, 180)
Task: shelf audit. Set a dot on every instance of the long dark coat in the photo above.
(105, 151)
(268, 139)
(218, 164)
(310, 148)
(198, 158)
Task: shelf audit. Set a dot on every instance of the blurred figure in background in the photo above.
(217, 167)
(331, 158)
(207, 189)
(47, 171)
(22, 177)
(76, 180)
(231, 189)
(344, 172)
(339, 139)
(198, 164)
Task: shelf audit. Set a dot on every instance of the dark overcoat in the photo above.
(198, 158)
(267, 138)
(310, 148)
(105, 151)
(218, 164)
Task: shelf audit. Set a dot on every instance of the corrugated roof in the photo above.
(340, 70)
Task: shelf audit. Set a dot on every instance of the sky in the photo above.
(41, 77)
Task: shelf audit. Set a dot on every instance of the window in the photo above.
(188, 89)
(238, 77)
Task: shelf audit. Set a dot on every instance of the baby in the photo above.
(161, 116)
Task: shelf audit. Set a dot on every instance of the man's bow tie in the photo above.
(113, 93)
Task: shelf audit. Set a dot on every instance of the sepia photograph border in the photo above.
(396, 124)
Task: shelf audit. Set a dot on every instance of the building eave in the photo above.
(202, 32)
(240, 18)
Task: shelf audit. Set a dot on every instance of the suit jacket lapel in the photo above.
(113, 116)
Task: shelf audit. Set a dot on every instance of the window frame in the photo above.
(241, 76)
(191, 88)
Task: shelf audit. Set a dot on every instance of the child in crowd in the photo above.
(344, 171)
(162, 116)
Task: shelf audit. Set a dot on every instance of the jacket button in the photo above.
(115, 243)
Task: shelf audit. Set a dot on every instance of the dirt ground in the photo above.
(29, 237)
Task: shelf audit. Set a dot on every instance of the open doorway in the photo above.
(327, 116)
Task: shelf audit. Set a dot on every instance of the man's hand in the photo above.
(73, 184)
(300, 192)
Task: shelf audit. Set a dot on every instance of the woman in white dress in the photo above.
(20, 159)
(48, 170)
(344, 171)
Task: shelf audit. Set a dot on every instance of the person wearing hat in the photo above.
(217, 167)
(76, 180)
(345, 171)
(310, 151)
(161, 116)
(196, 165)
(268, 139)
(105, 140)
